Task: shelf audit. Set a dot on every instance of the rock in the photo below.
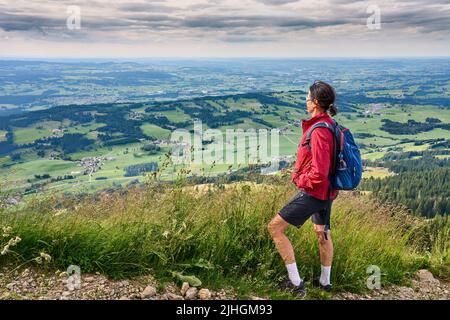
(184, 288)
(204, 294)
(124, 283)
(173, 296)
(5, 296)
(426, 276)
(148, 292)
(10, 286)
(124, 298)
(89, 279)
(66, 293)
(191, 293)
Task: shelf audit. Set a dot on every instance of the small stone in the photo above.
(173, 296)
(124, 283)
(89, 279)
(191, 293)
(426, 276)
(204, 294)
(5, 296)
(184, 288)
(148, 292)
(124, 298)
(66, 293)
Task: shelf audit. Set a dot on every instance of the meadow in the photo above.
(218, 235)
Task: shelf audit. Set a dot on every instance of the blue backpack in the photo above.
(346, 170)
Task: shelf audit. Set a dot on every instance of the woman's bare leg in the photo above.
(326, 253)
(276, 229)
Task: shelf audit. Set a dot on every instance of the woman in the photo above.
(310, 175)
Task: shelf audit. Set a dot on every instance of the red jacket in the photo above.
(312, 167)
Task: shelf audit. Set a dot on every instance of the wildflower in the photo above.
(14, 241)
(46, 256)
(6, 231)
(60, 212)
(63, 274)
(5, 250)
(11, 243)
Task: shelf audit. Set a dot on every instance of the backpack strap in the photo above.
(333, 131)
(317, 125)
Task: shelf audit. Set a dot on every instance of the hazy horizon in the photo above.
(212, 58)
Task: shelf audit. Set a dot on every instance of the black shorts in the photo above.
(301, 207)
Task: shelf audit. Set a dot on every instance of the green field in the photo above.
(155, 131)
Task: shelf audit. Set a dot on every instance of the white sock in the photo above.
(293, 274)
(325, 275)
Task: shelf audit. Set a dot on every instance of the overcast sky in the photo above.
(224, 28)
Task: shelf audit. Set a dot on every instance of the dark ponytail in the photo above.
(333, 110)
(325, 95)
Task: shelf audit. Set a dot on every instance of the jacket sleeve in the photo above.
(317, 174)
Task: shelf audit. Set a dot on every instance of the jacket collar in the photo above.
(306, 123)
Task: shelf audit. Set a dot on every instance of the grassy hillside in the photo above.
(220, 236)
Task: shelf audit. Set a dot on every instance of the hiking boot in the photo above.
(316, 283)
(287, 285)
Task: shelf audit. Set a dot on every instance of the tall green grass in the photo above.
(219, 235)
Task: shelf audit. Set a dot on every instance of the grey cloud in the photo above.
(146, 7)
(20, 22)
(429, 20)
(276, 2)
(253, 21)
